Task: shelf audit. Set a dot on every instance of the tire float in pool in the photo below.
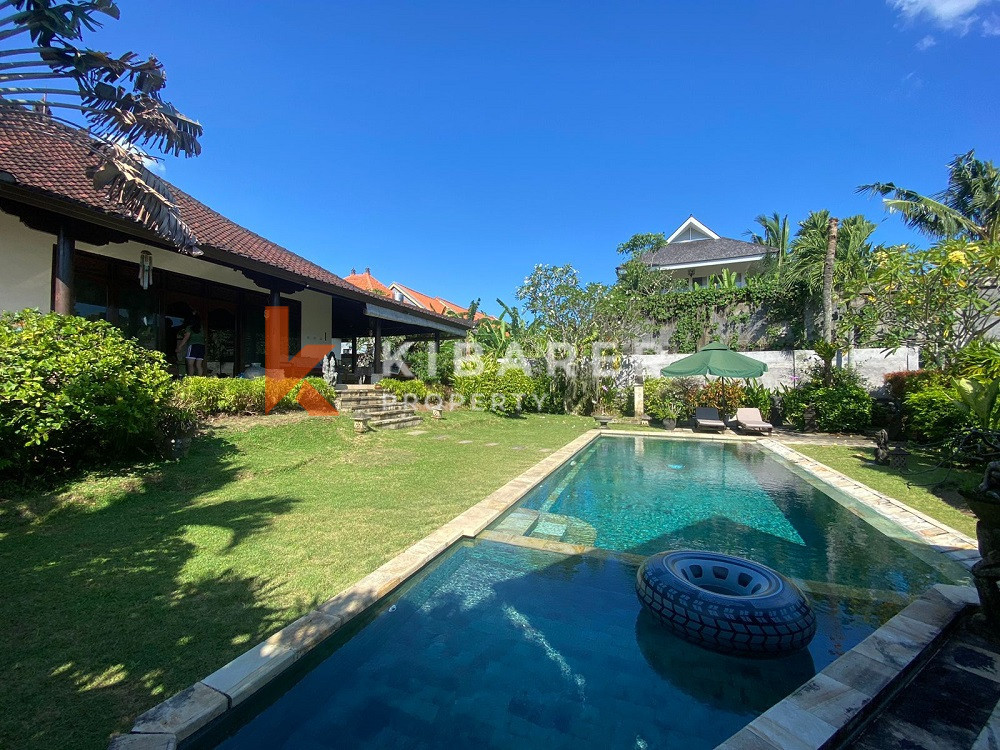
(725, 603)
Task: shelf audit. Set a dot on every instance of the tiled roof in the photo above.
(703, 251)
(49, 158)
(422, 300)
(368, 283)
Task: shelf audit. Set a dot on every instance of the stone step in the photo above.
(397, 423)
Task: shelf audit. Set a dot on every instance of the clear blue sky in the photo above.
(453, 145)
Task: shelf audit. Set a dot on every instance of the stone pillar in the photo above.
(639, 398)
(64, 288)
(354, 355)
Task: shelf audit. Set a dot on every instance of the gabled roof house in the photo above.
(697, 253)
(65, 246)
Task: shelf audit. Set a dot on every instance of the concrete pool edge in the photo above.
(833, 705)
(182, 715)
(938, 536)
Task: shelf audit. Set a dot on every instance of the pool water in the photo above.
(499, 645)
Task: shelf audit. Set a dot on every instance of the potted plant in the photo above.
(669, 413)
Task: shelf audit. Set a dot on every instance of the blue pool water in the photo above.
(501, 646)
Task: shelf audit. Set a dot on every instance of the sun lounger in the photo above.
(750, 420)
(707, 418)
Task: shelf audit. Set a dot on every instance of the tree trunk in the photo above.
(831, 254)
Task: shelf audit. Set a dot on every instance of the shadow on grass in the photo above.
(104, 612)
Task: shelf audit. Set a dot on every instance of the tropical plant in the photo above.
(776, 236)
(980, 360)
(980, 400)
(941, 299)
(495, 335)
(119, 97)
(968, 207)
(934, 414)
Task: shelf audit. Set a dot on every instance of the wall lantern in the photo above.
(145, 269)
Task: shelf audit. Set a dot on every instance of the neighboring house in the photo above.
(696, 253)
(65, 246)
(408, 296)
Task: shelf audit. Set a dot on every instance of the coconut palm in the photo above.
(969, 207)
(776, 235)
(46, 76)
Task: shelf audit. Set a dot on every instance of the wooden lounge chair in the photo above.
(750, 420)
(707, 418)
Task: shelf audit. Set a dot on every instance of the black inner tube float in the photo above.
(725, 603)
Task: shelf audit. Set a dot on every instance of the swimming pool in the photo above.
(502, 644)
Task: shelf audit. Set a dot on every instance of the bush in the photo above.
(843, 406)
(239, 396)
(507, 394)
(933, 415)
(416, 389)
(902, 384)
(73, 389)
(660, 400)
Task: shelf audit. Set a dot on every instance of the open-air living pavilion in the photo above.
(65, 246)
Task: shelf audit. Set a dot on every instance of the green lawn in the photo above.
(918, 487)
(121, 589)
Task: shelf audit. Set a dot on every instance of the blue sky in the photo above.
(453, 145)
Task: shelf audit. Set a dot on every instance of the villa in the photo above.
(66, 247)
(697, 253)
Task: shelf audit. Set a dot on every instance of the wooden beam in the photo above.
(62, 273)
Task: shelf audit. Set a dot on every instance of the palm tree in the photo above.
(828, 264)
(807, 261)
(776, 235)
(969, 207)
(119, 97)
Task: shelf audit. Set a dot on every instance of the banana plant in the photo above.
(980, 400)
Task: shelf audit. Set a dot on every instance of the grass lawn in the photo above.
(917, 488)
(121, 589)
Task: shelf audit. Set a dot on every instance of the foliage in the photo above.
(758, 396)
(496, 335)
(979, 401)
(73, 389)
(969, 207)
(691, 312)
(507, 393)
(979, 360)
(660, 400)
(934, 414)
(401, 389)
(417, 357)
(120, 97)
(239, 396)
(842, 402)
(902, 384)
(640, 245)
(940, 299)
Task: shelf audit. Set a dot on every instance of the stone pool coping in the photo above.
(183, 714)
(938, 536)
(828, 709)
(192, 709)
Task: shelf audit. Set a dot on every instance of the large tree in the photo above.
(968, 207)
(940, 299)
(47, 74)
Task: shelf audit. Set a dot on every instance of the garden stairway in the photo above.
(384, 409)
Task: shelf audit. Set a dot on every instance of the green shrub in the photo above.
(416, 389)
(757, 396)
(239, 396)
(933, 415)
(73, 389)
(659, 399)
(843, 406)
(902, 384)
(507, 394)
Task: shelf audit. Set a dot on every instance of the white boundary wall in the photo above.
(783, 367)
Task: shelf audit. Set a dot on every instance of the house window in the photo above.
(698, 281)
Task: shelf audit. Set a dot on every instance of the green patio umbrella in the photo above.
(716, 359)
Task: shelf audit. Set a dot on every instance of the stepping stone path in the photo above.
(417, 432)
